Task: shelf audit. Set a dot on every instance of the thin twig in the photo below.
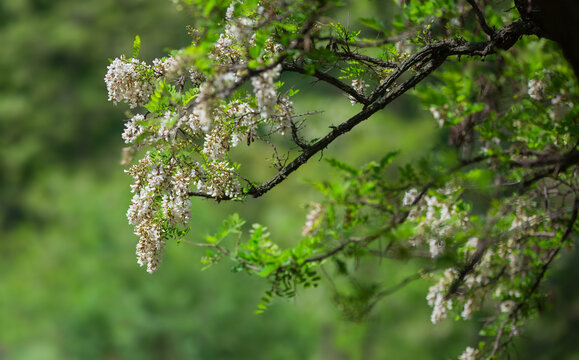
(497, 342)
(367, 59)
(481, 19)
(293, 67)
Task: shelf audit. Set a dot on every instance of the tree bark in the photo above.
(559, 21)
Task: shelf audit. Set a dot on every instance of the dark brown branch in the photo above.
(557, 164)
(424, 62)
(481, 19)
(396, 220)
(338, 131)
(497, 343)
(367, 59)
(400, 285)
(467, 269)
(204, 195)
(551, 158)
(437, 52)
(227, 253)
(293, 67)
(339, 249)
(368, 43)
(294, 130)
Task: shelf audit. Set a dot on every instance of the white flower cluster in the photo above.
(359, 85)
(312, 218)
(238, 33)
(507, 306)
(131, 80)
(437, 297)
(500, 273)
(475, 283)
(167, 126)
(409, 197)
(436, 247)
(151, 244)
(204, 122)
(204, 106)
(225, 47)
(469, 354)
(265, 92)
(438, 116)
(223, 181)
(216, 145)
(536, 89)
(232, 122)
(127, 81)
(163, 128)
(166, 66)
(133, 128)
(521, 222)
(286, 110)
(158, 189)
(434, 220)
(468, 309)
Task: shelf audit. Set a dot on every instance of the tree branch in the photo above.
(552, 255)
(481, 19)
(365, 43)
(424, 62)
(293, 67)
(367, 59)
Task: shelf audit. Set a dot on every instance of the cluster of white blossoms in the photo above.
(223, 182)
(469, 354)
(312, 219)
(162, 67)
(133, 128)
(498, 275)
(132, 81)
(203, 122)
(436, 220)
(164, 128)
(216, 145)
(437, 294)
(159, 189)
(505, 260)
(536, 89)
(437, 297)
(437, 115)
(168, 125)
(265, 92)
(232, 122)
(468, 309)
(360, 86)
(126, 82)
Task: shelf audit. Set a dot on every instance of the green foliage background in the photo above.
(70, 287)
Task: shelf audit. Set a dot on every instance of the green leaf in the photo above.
(343, 166)
(372, 23)
(292, 92)
(231, 225)
(136, 46)
(388, 158)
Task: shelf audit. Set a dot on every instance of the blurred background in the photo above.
(70, 287)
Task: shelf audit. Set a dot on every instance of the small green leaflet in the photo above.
(372, 23)
(136, 46)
